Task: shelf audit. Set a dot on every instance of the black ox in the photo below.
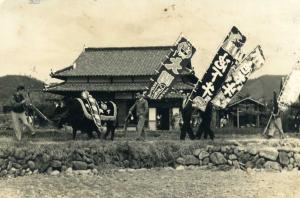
(74, 113)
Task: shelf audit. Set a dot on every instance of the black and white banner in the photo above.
(238, 77)
(227, 56)
(176, 62)
(290, 92)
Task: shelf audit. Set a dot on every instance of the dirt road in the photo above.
(157, 183)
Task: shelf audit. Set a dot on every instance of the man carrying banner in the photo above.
(142, 108)
(275, 122)
(186, 114)
(18, 103)
(297, 118)
(205, 126)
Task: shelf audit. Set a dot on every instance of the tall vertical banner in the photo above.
(238, 77)
(213, 79)
(175, 63)
(291, 90)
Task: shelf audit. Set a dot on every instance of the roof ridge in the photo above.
(128, 48)
(62, 70)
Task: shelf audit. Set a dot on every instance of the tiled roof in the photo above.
(233, 103)
(123, 61)
(106, 87)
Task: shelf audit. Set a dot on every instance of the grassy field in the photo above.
(50, 135)
(66, 134)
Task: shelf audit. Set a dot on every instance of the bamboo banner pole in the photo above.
(33, 107)
(40, 113)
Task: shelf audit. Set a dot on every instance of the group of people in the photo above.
(204, 128)
(20, 103)
(141, 108)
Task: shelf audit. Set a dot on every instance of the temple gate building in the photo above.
(116, 74)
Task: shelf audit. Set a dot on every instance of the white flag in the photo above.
(291, 90)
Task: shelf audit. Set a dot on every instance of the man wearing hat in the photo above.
(142, 108)
(18, 104)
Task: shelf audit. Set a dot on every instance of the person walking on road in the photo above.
(275, 122)
(141, 107)
(205, 126)
(186, 116)
(19, 102)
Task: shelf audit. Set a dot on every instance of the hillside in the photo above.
(9, 83)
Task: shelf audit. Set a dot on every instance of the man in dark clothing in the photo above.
(204, 126)
(275, 122)
(297, 117)
(109, 109)
(142, 108)
(61, 113)
(186, 113)
(18, 105)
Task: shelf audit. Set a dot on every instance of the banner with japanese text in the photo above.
(238, 77)
(176, 62)
(227, 56)
(291, 90)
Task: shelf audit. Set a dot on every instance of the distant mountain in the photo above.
(9, 83)
(261, 88)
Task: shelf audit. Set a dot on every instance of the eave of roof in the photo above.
(244, 99)
(107, 87)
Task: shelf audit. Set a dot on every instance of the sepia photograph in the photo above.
(150, 98)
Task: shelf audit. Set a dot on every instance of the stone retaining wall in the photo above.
(226, 157)
(27, 159)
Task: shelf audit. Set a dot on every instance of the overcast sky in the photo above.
(50, 34)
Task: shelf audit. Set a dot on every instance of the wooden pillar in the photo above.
(257, 121)
(122, 111)
(237, 117)
(170, 118)
(152, 118)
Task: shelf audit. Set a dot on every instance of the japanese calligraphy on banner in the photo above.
(291, 90)
(177, 61)
(238, 77)
(213, 79)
